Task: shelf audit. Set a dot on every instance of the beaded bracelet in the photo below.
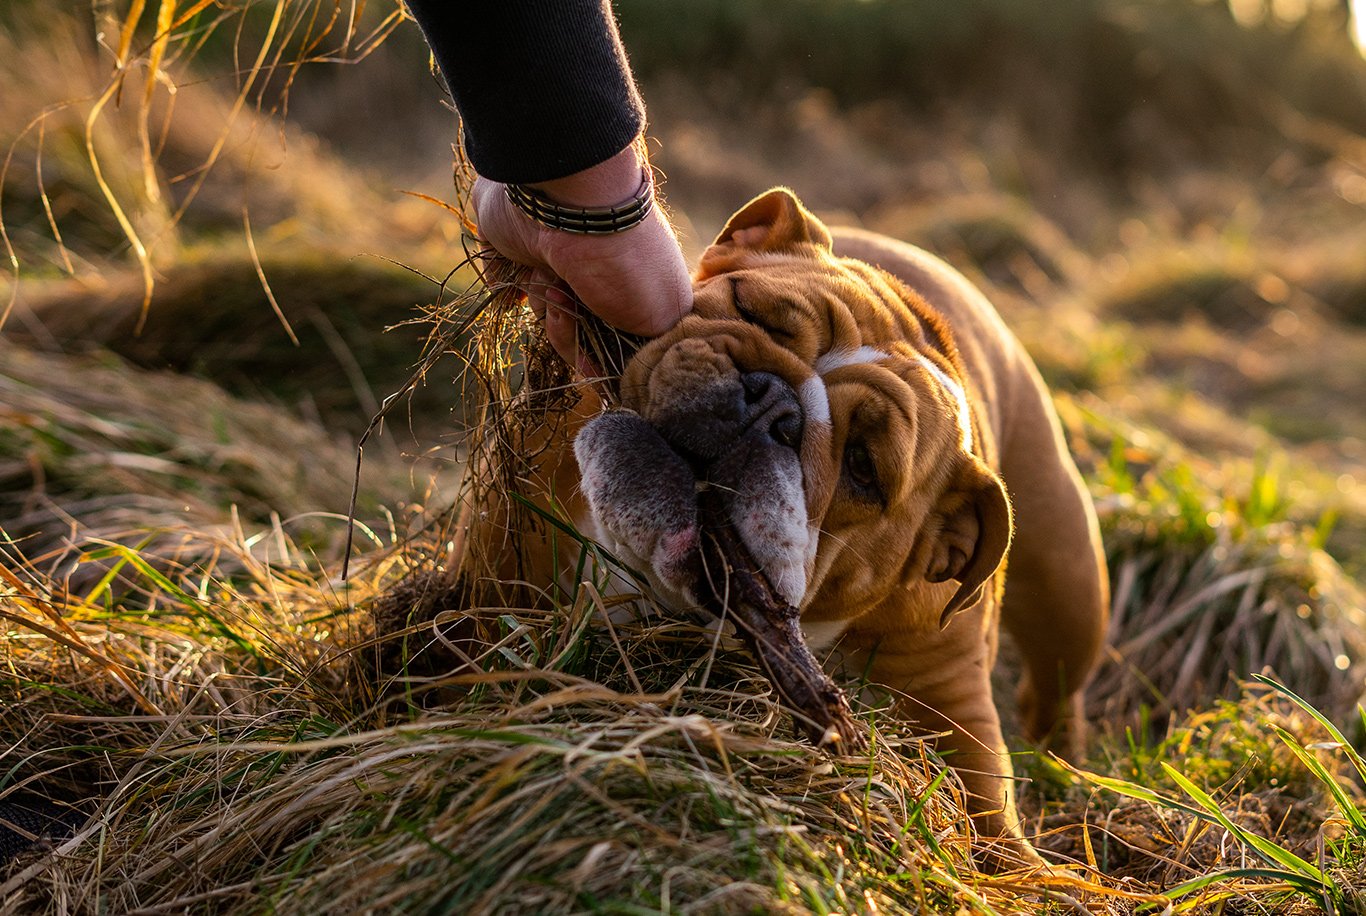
(586, 220)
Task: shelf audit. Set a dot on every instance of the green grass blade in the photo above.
(1268, 850)
(584, 541)
(1344, 802)
(1133, 790)
(160, 580)
(1208, 811)
(1204, 881)
(157, 577)
(1320, 718)
(915, 818)
(103, 586)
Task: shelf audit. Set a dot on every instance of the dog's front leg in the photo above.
(944, 680)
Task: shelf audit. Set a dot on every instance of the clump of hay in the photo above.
(1189, 622)
(240, 734)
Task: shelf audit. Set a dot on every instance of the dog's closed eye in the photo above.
(761, 315)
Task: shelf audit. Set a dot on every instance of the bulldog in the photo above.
(845, 428)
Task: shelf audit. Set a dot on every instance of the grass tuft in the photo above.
(229, 726)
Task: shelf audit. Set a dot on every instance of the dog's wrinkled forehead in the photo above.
(812, 306)
(774, 267)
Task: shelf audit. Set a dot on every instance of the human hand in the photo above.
(635, 280)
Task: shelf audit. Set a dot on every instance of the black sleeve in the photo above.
(543, 86)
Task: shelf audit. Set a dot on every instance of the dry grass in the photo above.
(93, 448)
(231, 719)
(569, 762)
(167, 137)
(341, 337)
(1212, 577)
(1265, 788)
(235, 729)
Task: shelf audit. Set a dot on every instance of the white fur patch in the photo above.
(822, 635)
(959, 397)
(815, 401)
(835, 359)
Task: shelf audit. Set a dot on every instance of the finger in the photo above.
(539, 286)
(561, 326)
(569, 325)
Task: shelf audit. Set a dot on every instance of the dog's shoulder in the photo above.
(948, 292)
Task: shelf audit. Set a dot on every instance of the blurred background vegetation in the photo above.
(1165, 198)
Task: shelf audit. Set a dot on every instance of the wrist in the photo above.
(604, 185)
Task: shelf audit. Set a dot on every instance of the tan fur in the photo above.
(913, 573)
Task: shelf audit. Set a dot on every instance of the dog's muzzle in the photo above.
(707, 493)
(753, 411)
(737, 433)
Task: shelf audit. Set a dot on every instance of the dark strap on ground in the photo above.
(28, 821)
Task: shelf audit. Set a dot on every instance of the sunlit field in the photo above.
(235, 675)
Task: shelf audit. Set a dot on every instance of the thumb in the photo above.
(503, 227)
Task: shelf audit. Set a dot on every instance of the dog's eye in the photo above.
(861, 471)
(760, 317)
(735, 298)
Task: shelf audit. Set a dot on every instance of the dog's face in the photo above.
(821, 398)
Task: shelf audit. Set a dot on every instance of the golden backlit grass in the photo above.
(233, 728)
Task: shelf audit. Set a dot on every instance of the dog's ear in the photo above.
(774, 221)
(975, 527)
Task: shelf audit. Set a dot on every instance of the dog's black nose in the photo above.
(787, 430)
(756, 385)
(738, 410)
(772, 408)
